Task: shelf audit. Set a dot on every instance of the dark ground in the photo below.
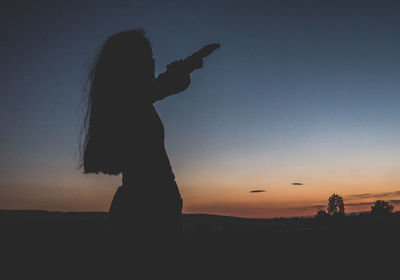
(224, 244)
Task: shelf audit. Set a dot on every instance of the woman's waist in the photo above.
(144, 176)
(157, 186)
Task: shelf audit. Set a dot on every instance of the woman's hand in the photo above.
(208, 49)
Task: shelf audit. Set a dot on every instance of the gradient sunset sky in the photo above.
(300, 91)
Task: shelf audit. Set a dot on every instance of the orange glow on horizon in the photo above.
(211, 195)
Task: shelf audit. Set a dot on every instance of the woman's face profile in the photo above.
(152, 62)
(145, 62)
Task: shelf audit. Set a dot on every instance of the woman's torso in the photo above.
(145, 156)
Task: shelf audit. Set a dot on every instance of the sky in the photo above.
(299, 91)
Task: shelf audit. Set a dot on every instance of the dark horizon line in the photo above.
(185, 214)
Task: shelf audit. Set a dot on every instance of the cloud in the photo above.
(297, 184)
(359, 203)
(371, 195)
(392, 201)
(257, 191)
(355, 204)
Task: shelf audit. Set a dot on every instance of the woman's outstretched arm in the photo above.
(169, 83)
(177, 76)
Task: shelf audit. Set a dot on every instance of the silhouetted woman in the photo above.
(124, 134)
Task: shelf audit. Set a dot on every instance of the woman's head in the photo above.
(123, 64)
(122, 56)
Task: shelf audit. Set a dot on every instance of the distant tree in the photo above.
(335, 205)
(381, 208)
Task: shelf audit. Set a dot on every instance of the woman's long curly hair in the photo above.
(122, 62)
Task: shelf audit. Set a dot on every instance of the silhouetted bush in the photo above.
(321, 219)
(321, 213)
(381, 208)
